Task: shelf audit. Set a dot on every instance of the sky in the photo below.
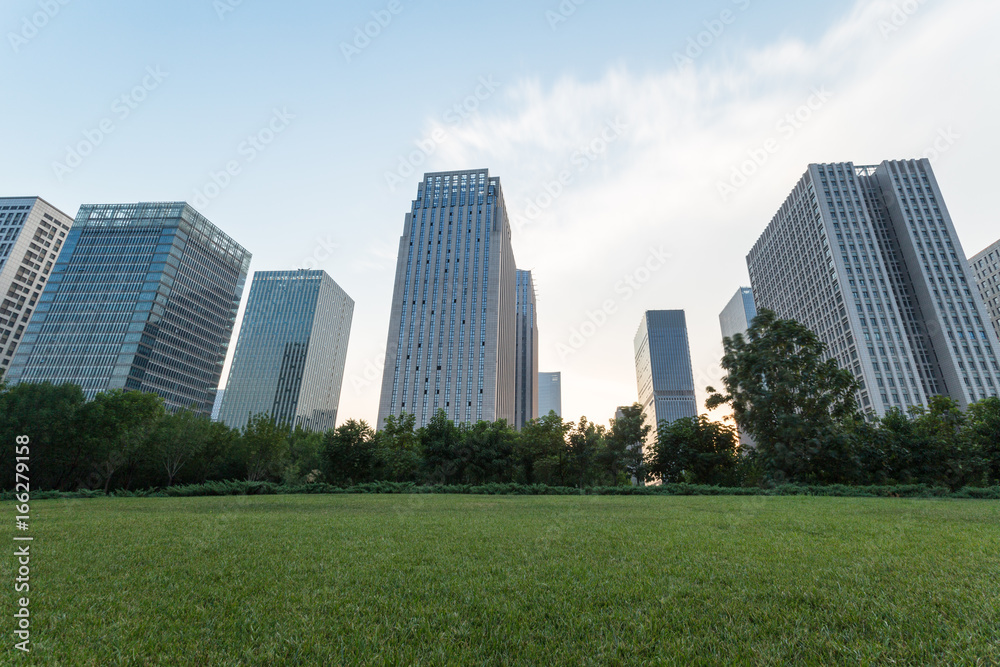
(642, 146)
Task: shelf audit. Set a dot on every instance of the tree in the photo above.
(398, 439)
(123, 422)
(946, 455)
(350, 454)
(439, 441)
(50, 415)
(179, 439)
(584, 443)
(695, 450)
(540, 450)
(625, 448)
(983, 429)
(487, 453)
(305, 456)
(793, 403)
(263, 447)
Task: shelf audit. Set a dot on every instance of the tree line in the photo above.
(799, 408)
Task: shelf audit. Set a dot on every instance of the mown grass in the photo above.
(544, 580)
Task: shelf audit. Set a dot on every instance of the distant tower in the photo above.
(290, 356)
(452, 328)
(527, 350)
(549, 393)
(143, 297)
(663, 368)
(738, 314)
(736, 318)
(32, 232)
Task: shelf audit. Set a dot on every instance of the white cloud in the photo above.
(686, 129)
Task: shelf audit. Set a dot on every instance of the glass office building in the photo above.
(452, 329)
(143, 297)
(32, 233)
(291, 352)
(738, 314)
(549, 393)
(527, 350)
(663, 368)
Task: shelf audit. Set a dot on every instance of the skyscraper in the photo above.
(986, 268)
(868, 258)
(663, 368)
(143, 297)
(292, 348)
(549, 393)
(527, 351)
(452, 329)
(738, 314)
(32, 232)
(736, 318)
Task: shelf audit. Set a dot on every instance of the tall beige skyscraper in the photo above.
(452, 328)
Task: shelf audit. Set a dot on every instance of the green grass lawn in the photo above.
(470, 580)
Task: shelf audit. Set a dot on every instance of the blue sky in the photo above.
(869, 80)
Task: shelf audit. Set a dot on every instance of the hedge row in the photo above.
(240, 488)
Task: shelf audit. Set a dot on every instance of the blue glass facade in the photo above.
(663, 367)
(289, 360)
(142, 297)
(737, 316)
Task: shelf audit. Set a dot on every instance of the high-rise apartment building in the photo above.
(526, 376)
(142, 297)
(868, 258)
(291, 351)
(986, 268)
(452, 328)
(738, 314)
(32, 233)
(663, 368)
(549, 393)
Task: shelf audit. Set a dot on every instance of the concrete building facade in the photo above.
(986, 268)
(869, 259)
(32, 233)
(291, 352)
(452, 328)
